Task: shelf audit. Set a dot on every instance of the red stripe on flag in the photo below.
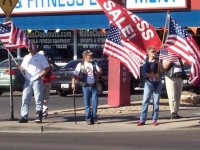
(126, 56)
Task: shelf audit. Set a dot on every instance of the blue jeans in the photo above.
(148, 91)
(90, 95)
(29, 88)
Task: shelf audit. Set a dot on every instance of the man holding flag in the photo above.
(179, 49)
(173, 80)
(34, 65)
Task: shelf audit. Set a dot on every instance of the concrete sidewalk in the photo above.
(109, 123)
(64, 120)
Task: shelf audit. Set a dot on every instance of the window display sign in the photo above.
(91, 39)
(59, 40)
(58, 46)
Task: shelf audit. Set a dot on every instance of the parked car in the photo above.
(62, 84)
(17, 77)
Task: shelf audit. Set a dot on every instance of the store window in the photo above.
(58, 46)
(93, 40)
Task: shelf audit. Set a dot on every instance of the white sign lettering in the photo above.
(60, 40)
(92, 39)
(58, 6)
(124, 74)
(155, 4)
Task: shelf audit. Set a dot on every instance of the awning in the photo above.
(98, 20)
(67, 21)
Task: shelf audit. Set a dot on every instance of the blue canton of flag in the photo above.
(163, 52)
(167, 56)
(4, 29)
(114, 35)
(5, 32)
(177, 29)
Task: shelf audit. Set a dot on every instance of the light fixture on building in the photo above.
(45, 31)
(57, 30)
(29, 30)
(193, 29)
(103, 31)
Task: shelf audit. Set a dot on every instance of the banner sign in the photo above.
(60, 6)
(92, 39)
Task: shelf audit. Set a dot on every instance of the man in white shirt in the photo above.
(87, 72)
(35, 67)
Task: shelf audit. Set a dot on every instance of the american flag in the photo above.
(123, 51)
(168, 56)
(181, 43)
(12, 37)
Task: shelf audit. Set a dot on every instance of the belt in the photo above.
(89, 84)
(178, 74)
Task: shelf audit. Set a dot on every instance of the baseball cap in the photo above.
(42, 53)
(86, 53)
(33, 46)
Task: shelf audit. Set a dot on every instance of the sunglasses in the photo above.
(153, 52)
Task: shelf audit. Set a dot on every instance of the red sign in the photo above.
(133, 29)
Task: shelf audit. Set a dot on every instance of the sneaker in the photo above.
(45, 108)
(173, 116)
(155, 123)
(96, 122)
(23, 120)
(89, 123)
(38, 120)
(45, 115)
(177, 116)
(140, 123)
(38, 117)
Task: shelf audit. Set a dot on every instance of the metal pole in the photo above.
(165, 28)
(75, 45)
(74, 106)
(11, 90)
(18, 53)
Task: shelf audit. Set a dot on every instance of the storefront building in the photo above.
(65, 28)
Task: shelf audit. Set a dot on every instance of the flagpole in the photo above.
(163, 38)
(11, 90)
(100, 67)
(165, 28)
